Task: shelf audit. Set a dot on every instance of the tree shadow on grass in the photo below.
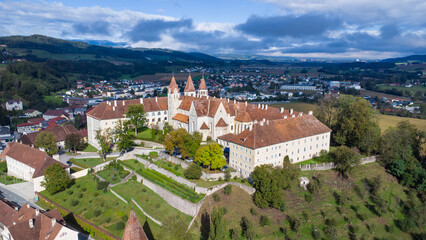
(205, 226)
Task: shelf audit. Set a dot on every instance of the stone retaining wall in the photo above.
(79, 174)
(328, 166)
(116, 194)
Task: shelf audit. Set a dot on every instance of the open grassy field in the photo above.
(386, 121)
(346, 201)
(296, 106)
(412, 89)
(90, 148)
(153, 204)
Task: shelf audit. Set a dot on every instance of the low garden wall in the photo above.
(79, 174)
(328, 166)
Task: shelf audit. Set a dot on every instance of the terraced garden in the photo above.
(167, 183)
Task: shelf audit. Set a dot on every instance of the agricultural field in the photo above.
(347, 202)
(412, 89)
(386, 121)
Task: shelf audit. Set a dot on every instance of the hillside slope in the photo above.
(356, 215)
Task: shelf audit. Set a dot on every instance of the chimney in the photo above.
(310, 113)
(207, 96)
(28, 206)
(293, 115)
(227, 99)
(141, 100)
(123, 103)
(261, 123)
(235, 101)
(250, 127)
(258, 106)
(109, 103)
(31, 223)
(291, 111)
(255, 121)
(156, 99)
(263, 120)
(267, 122)
(37, 212)
(300, 114)
(53, 221)
(113, 108)
(266, 107)
(285, 117)
(281, 110)
(246, 103)
(115, 103)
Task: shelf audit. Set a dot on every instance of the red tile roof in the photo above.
(32, 157)
(221, 123)
(189, 85)
(204, 127)
(60, 132)
(181, 118)
(117, 109)
(278, 131)
(134, 230)
(203, 85)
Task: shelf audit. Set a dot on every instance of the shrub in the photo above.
(224, 210)
(119, 226)
(97, 212)
(309, 197)
(176, 167)
(220, 179)
(108, 219)
(193, 171)
(227, 190)
(264, 221)
(124, 218)
(77, 186)
(70, 192)
(102, 185)
(294, 223)
(83, 189)
(253, 211)
(73, 202)
(227, 175)
(243, 180)
(144, 190)
(216, 197)
(134, 178)
(80, 195)
(283, 206)
(236, 178)
(157, 205)
(96, 194)
(330, 228)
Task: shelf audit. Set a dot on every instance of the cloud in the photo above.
(151, 30)
(96, 27)
(289, 26)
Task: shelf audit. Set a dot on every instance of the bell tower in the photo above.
(202, 89)
(172, 99)
(189, 88)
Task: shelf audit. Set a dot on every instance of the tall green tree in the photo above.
(136, 115)
(185, 142)
(268, 185)
(104, 139)
(218, 229)
(74, 142)
(346, 159)
(122, 135)
(47, 141)
(326, 112)
(56, 179)
(354, 118)
(210, 155)
(289, 174)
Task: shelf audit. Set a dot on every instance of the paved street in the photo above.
(13, 197)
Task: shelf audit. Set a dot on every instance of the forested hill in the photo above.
(53, 48)
(411, 58)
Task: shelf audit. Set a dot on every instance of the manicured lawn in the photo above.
(169, 184)
(145, 134)
(102, 209)
(171, 167)
(90, 148)
(113, 176)
(150, 202)
(88, 162)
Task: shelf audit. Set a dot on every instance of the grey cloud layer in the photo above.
(306, 32)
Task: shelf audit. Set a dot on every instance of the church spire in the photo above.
(173, 85)
(189, 88)
(203, 85)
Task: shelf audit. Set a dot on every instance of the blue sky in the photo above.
(362, 29)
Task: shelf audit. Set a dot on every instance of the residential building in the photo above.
(60, 132)
(32, 113)
(299, 87)
(50, 114)
(5, 135)
(29, 127)
(14, 105)
(31, 223)
(28, 163)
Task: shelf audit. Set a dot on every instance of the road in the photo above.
(13, 197)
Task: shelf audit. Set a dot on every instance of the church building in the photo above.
(250, 132)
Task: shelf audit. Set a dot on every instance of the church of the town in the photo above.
(254, 134)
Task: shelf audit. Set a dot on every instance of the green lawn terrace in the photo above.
(150, 202)
(113, 176)
(89, 162)
(165, 182)
(103, 209)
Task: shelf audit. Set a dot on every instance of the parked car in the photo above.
(190, 160)
(69, 163)
(224, 168)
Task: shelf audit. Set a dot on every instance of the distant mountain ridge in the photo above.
(419, 58)
(39, 45)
